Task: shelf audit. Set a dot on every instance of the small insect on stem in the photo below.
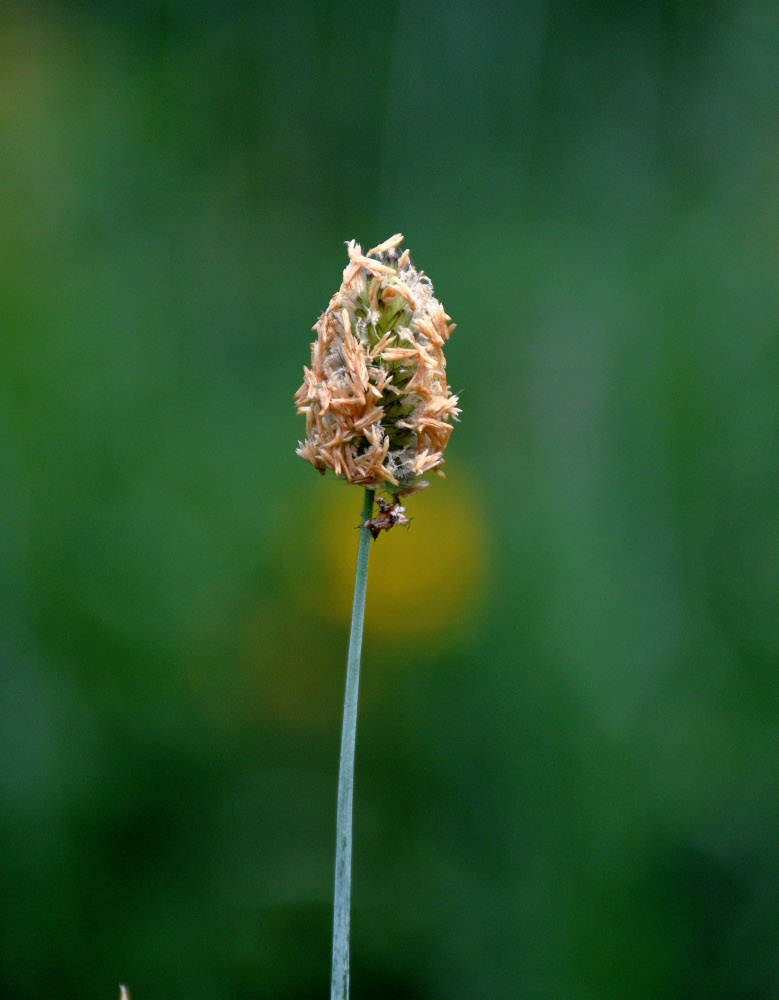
(390, 513)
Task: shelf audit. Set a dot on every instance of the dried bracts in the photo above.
(378, 407)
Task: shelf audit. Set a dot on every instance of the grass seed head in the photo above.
(378, 408)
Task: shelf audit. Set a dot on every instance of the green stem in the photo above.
(339, 983)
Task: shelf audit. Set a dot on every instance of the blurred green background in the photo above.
(567, 780)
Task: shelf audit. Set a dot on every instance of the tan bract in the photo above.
(377, 404)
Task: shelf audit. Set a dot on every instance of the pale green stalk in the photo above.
(339, 984)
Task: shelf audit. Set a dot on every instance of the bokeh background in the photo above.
(567, 749)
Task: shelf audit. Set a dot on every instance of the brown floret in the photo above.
(377, 404)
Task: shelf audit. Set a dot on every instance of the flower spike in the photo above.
(377, 404)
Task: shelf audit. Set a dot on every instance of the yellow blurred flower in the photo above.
(423, 581)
